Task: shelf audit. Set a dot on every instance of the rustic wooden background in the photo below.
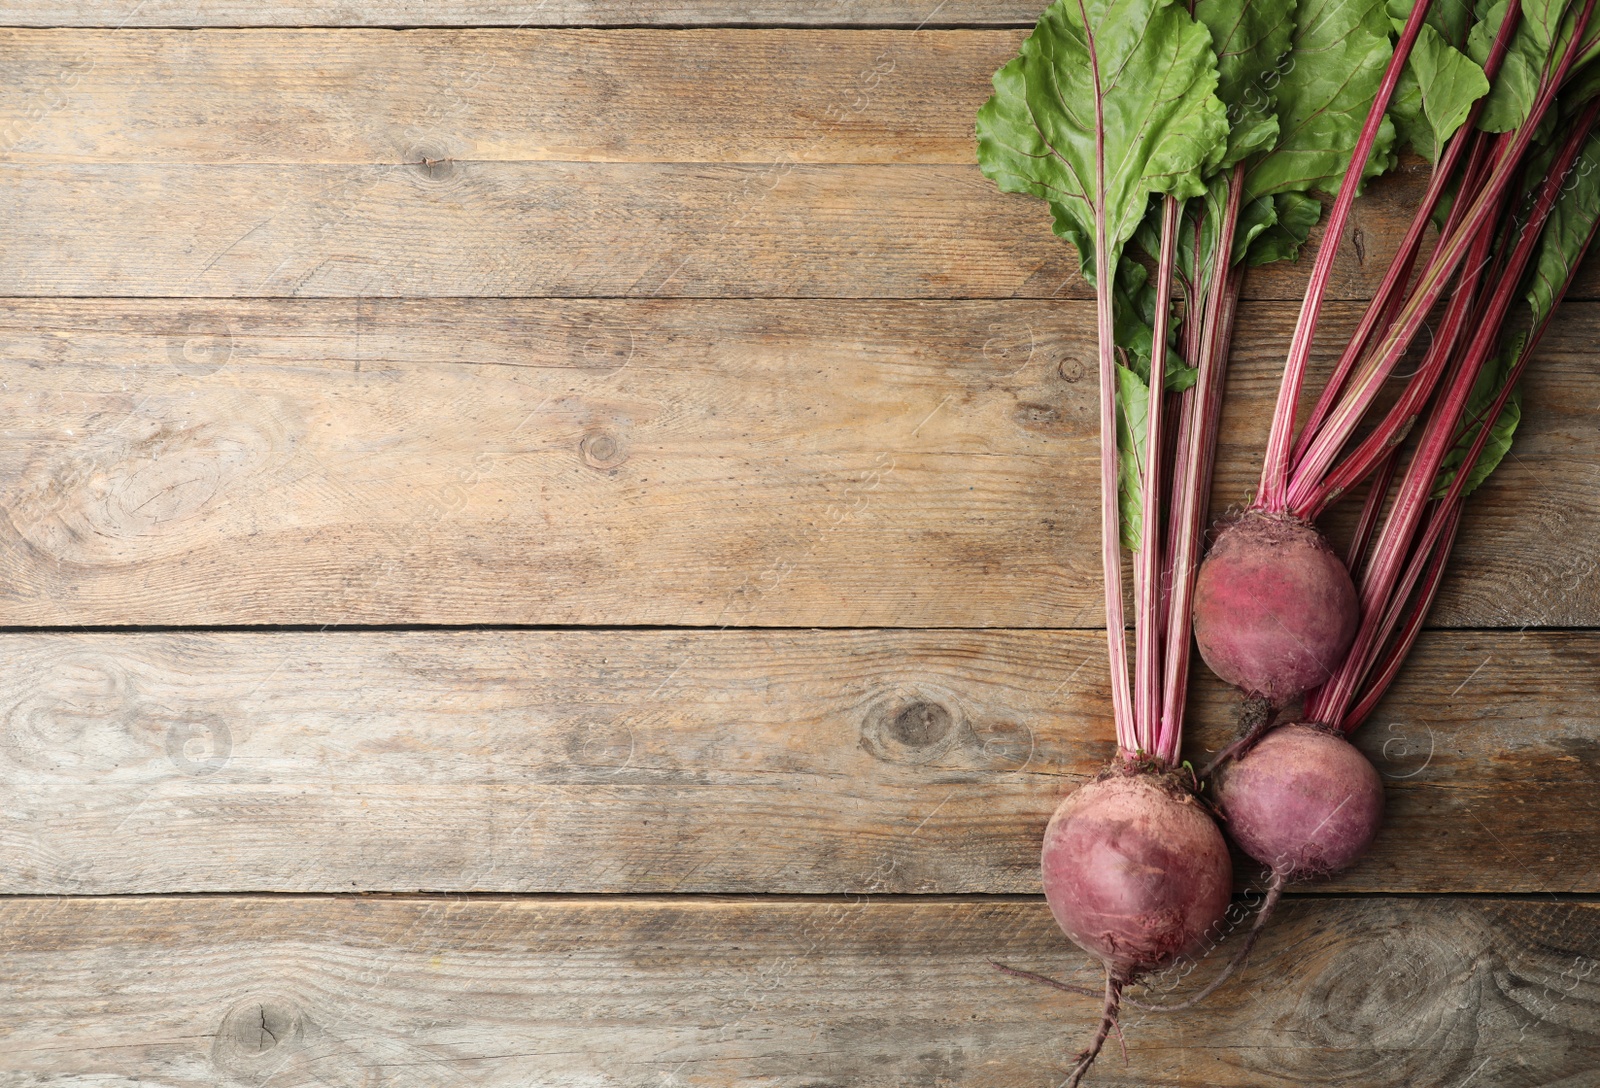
(552, 543)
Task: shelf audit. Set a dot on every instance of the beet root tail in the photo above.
(1108, 1020)
(1017, 972)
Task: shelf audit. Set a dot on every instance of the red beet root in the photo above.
(1274, 608)
(1135, 871)
(1303, 801)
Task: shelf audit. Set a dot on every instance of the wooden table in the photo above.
(539, 554)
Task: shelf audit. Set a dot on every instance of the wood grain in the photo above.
(740, 761)
(582, 229)
(774, 992)
(459, 163)
(514, 13)
(493, 462)
(643, 462)
(364, 97)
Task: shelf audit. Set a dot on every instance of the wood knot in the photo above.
(1351, 982)
(83, 712)
(602, 450)
(915, 723)
(256, 1034)
(920, 724)
(98, 496)
(1071, 369)
(1046, 419)
(76, 713)
(433, 164)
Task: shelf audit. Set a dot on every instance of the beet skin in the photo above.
(1302, 801)
(1135, 871)
(1274, 608)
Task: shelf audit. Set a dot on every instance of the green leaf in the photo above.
(1133, 301)
(1269, 228)
(1435, 93)
(1516, 85)
(1294, 214)
(1589, 46)
(1583, 83)
(1251, 134)
(1452, 19)
(1562, 241)
(1149, 73)
(1324, 88)
(1541, 21)
(1133, 413)
(1251, 37)
(1069, 226)
(1202, 217)
(1491, 379)
(1133, 317)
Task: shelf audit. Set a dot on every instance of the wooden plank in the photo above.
(643, 462)
(796, 762)
(620, 96)
(448, 163)
(494, 229)
(770, 992)
(515, 13)
(597, 462)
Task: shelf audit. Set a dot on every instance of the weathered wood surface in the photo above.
(535, 163)
(644, 462)
(1383, 993)
(616, 96)
(516, 13)
(831, 384)
(737, 761)
(492, 229)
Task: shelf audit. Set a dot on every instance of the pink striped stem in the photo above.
(1306, 492)
(1146, 627)
(1380, 312)
(1271, 494)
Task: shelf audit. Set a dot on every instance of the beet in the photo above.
(1274, 608)
(1302, 801)
(1135, 871)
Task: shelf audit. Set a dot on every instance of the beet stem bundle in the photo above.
(1274, 471)
(1300, 798)
(1197, 136)
(1151, 61)
(1305, 487)
(1384, 591)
